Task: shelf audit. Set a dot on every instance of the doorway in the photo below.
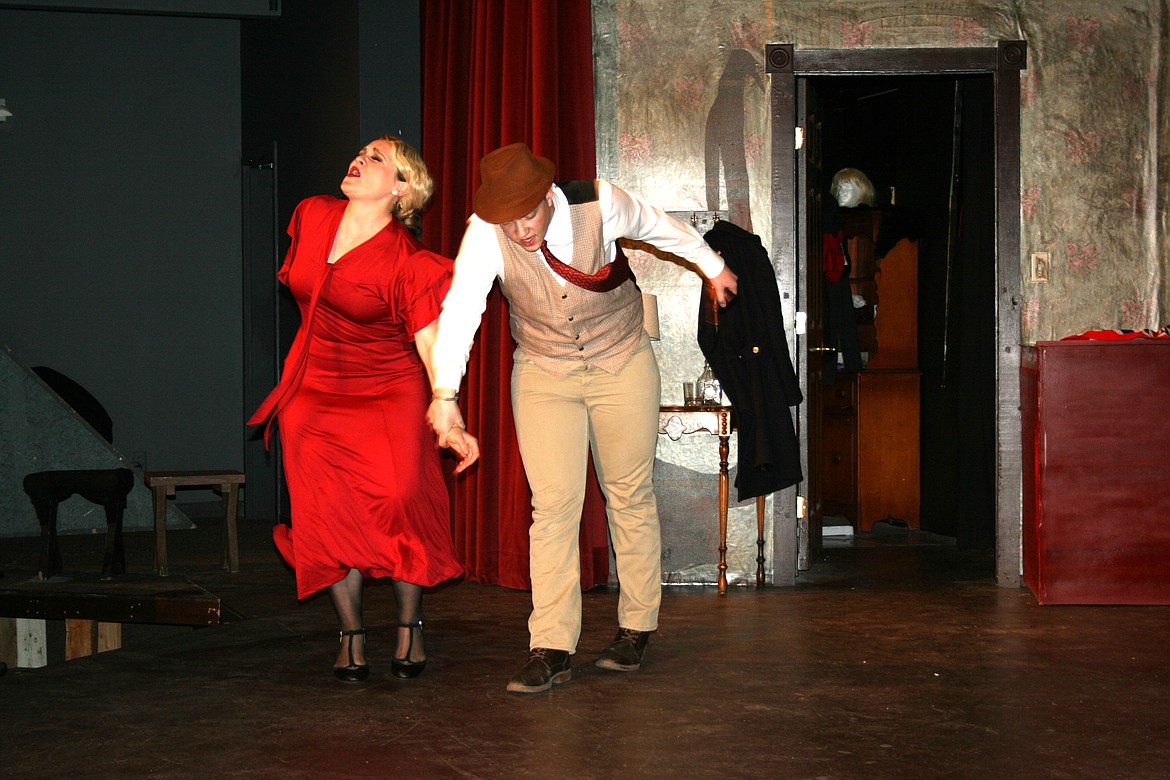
(925, 142)
(939, 131)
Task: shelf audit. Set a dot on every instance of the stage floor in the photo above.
(895, 656)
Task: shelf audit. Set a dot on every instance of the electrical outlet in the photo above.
(1040, 266)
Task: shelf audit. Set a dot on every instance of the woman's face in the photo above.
(373, 175)
(528, 231)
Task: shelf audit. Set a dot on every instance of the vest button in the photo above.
(570, 319)
(564, 295)
(580, 349)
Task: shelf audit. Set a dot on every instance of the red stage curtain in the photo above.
(496, 72)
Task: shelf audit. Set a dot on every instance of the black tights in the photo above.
(347, 603)
(409, 598)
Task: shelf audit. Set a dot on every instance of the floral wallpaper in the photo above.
(1095, 125)
(1095, 135)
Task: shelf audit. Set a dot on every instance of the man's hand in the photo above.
(447, 422)
(443, 416)
(464, 445)
(724, 286)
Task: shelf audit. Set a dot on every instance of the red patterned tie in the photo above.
(604, 280)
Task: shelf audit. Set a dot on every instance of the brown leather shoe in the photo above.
(544, 669)
(625, 652)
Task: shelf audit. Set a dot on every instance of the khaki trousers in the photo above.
(557, 421)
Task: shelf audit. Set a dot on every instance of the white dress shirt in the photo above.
(480, 262)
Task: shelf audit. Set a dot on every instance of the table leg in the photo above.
(723, 498)
(114, 560)
(160, 529)
(46, 509)
(760, 541)
(231, 495)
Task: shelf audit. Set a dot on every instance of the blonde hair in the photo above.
(419, 184)
(866, 196)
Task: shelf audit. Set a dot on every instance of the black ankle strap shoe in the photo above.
(404, 668)
(354, 672)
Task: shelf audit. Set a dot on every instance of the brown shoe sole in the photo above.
(614, 666)
(556, 679)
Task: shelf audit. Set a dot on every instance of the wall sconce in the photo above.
(650, 316)
(4, 112)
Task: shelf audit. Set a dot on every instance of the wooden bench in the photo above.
(94, 610)
(164, 483)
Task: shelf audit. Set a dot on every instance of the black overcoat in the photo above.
(748, 352)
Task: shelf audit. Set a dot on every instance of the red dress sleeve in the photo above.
(420, 284)
(422, 288)
(294, 232)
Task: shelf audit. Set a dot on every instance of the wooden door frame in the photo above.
(784, 64)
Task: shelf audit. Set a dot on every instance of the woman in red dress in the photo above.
(361, 464)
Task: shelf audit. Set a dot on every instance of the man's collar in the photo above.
(560, 227)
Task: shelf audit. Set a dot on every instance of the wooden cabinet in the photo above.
(895, 321)
(1096, 479)
(870, 428)
(870, 419)
(860, 233)
(887, 322)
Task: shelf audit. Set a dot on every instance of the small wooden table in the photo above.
(163, 483)
(677, 421)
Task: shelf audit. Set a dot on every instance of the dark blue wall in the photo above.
(132, 180)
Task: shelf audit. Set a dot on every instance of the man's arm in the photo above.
(626, 215)
(477, 265)
(457, 438)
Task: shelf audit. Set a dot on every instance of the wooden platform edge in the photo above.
(187, 607)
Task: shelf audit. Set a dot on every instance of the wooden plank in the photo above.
(109, 636)
(785, 523)
(87, 637)
(131, 599)
(915, 61)
(22, 642)
(80, 638)
(31, 647)
(192, 478)
(8, 640)
(1009, 477)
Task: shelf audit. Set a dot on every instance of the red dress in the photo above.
(359, 458)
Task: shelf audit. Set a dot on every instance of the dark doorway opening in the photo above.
(796, 206)
(927, 142)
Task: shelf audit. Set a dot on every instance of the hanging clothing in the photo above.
(748, 351)
(839, 320)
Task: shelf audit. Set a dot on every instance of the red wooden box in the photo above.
(1096, 436)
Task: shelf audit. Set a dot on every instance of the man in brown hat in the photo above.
(584, 377)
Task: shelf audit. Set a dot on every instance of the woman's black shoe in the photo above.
(404, 668)
(355, 672)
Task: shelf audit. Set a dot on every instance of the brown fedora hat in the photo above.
(514, 181)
